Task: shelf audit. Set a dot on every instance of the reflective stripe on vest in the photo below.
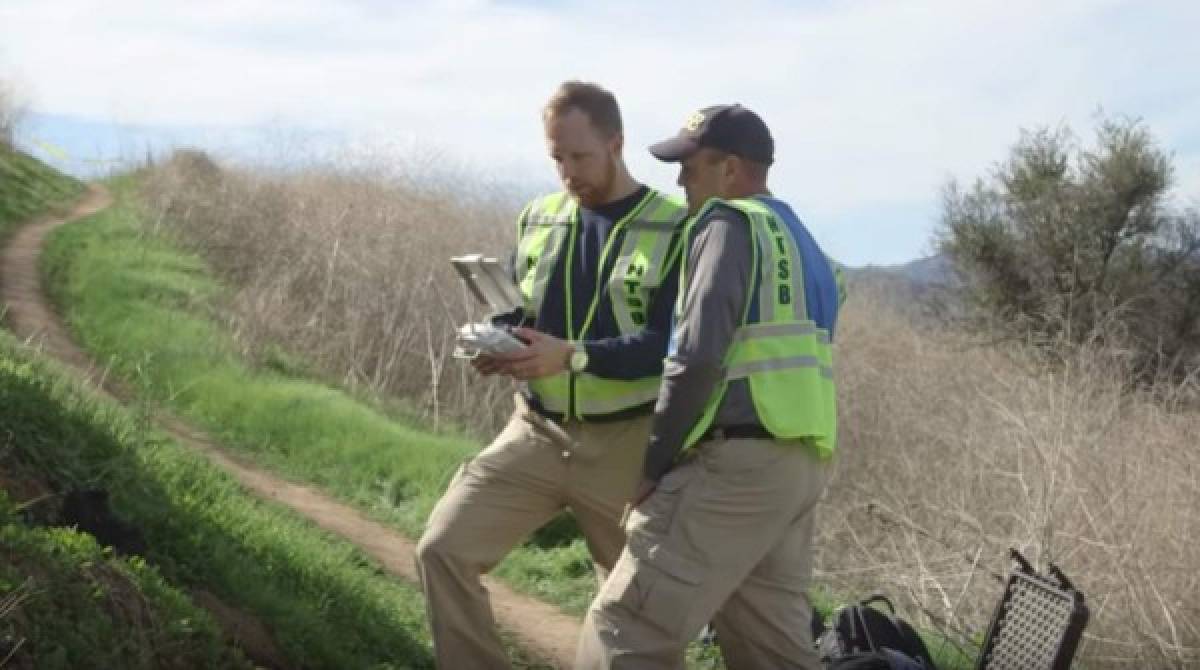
(785, 358)
(547, 227)
(541, 230)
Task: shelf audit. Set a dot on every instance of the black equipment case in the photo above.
(1038, 622)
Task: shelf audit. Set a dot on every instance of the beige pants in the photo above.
(528, 474)
(726, 537)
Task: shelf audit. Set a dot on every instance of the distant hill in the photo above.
(931, 270)
(921, 283)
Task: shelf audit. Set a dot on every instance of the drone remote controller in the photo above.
(476, 339)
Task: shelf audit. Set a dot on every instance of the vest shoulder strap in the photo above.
(548, 210)
(663, 211)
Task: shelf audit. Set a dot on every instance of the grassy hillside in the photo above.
(66, 603)
(323, 600)
(29, 187)
(140, 304)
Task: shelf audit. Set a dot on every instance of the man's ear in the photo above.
(731, 167)
(617, 143)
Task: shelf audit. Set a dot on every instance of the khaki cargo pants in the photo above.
(727, 538)
(528, 474)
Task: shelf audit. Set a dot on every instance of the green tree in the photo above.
(1075, 244)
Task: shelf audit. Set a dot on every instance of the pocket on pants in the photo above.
(669, 595)
(656, 513)
(658, 588)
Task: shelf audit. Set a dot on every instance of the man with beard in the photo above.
(597, 268)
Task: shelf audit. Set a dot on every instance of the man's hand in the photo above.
(488, 365)
(644, 489)
(544, 355)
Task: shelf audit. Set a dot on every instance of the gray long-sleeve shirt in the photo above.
(718, 265)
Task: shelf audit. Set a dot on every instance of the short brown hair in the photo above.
(598, 103)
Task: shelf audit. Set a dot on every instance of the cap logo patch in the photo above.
(693, 122)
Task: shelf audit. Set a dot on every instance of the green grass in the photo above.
(29, 187)
(326, 603)
(76, 605)
(137, 302)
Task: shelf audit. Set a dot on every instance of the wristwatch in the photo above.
(579, 358)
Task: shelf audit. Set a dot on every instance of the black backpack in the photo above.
(865, 637)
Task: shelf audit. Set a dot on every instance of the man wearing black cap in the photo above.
(744, 430)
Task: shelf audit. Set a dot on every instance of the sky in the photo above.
(874, 105)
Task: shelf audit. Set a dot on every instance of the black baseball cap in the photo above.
(729, 128)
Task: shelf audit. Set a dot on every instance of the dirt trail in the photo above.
(541, 629)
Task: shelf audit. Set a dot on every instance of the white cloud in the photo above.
(874, 104)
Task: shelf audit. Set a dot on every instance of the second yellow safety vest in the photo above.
(785, 358)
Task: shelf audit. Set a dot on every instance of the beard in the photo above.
(594, 194)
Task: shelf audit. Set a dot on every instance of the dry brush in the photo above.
(347, 268)
(956, 449)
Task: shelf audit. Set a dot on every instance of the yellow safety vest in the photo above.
(550, 224)
(785, 358)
